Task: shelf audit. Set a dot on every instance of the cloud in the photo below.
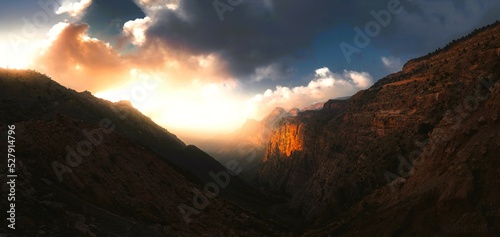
(193, 93)
(78, 61)
(254, 36)
(392, 64)
(184, 43)
(190, 86)
(257, 37)
(426, 25)
(81, 62)
(74, 9)
(272, 72)
(151, 6)
(325, 85)
(135, 29)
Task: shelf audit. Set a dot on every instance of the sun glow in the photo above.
(17, 56)
(196, 108)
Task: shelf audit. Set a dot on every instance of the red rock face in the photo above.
(340, 154)
(246, 145)
(286, 140)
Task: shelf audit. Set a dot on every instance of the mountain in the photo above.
(316, 106)
(246, 145)
(414, 155)
(28, 95)
(89, 167)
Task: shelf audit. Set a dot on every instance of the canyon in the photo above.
(416, 154)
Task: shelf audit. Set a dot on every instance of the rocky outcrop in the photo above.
(247, 145)
(341, 154)
(316, 106)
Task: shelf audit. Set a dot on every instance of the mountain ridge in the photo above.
(329, 160)
(104, 165)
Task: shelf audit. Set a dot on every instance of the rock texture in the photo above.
(452, 190)
(340, 163)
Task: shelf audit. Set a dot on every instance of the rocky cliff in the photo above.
(448, 185)
(247, 144)
(329, 160)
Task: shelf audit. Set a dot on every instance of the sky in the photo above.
(201, 67)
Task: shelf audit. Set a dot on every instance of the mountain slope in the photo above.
(88, 166)
(453, 189)
(329, 160)
(119, 189)
(26, 95)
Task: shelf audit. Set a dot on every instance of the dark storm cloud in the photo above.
(259, 33)
(426, 25)
(252, 35)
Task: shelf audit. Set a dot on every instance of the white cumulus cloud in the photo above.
(74, 9)
(135, 29)
(324, 86)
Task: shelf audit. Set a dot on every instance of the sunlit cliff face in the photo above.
(286, 140)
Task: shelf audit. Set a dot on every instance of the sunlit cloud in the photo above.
(184, 93)
(136, 30)
(325, 85)
(74, 9)
(159, 4)
(200, 63)
(78, 61)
